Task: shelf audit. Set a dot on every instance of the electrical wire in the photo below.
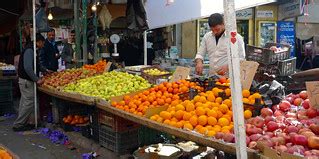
(9, 12)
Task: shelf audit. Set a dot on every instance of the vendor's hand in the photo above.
(40, 81)
(199, 68)
(223, 70)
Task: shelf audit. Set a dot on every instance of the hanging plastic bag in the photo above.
(105, 17)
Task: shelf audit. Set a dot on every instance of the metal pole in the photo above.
(77, 31)
(145, 47)
(84, 23)
(234, 74)
(34, 66)
(20, 35)
(95, 35)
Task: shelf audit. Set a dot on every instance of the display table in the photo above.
(77, 98)
(228, 148)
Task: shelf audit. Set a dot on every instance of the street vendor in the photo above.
(27, 78)
(214, 43)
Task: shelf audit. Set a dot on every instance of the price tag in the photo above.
(313, 93)
(247, 72)
(180, 73)
(108, 66)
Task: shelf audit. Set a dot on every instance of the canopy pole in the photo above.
(77, 31)
(145, 47)
(34, 65)
(234, 75)
(84, 26)
(96, 56)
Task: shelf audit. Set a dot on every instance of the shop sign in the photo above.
(313, 93)
(290, 9)
(244, 14)
(265, 14)
(286, 34)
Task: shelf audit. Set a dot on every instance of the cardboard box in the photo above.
(269, 153)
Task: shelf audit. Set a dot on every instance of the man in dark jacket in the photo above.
(49, 54)
(68, 54)
(27, 77)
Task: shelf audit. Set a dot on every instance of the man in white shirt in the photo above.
(214, 43)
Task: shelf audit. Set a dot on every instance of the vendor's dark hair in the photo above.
(215, 19)
(51, 30)
(73, 31)
(39, 37)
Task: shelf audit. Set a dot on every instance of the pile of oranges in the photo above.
(75, 119)
(4, 154)
(206, 114)
(163, 94)
(98, 67)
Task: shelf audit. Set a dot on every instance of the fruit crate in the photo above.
(287, 67)
(6, 107)
(266, 55)
(91, 131)
(153, 78)
(116, 123)
(118, 142)
(148, 136)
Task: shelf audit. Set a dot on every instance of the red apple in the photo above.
(270, 134)
(291, 129)
(306, 104)
(268, 119)
(219, 135)
(311, 112)
(280, 118)
(255, 137)
(275, 107)
(314, 128)
(266, 112)
(299, 140)
(291, 115)
(303, 94)
(281, 148)
(278, 113)
(284, 106)
(258, 122)
(296, 149)
(285, 136)
(272, 126)
(298, 101)
(229, 138)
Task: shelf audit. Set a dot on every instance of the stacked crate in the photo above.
(274, 63)
(117, 134)
(6, 97)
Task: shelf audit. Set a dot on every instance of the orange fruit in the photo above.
(209, 127)
(225, 131)
(212, 113)
(257, 95)
(175, 102)
(165, 115)
(179, 124)
(215, 105)
(200, 111)
(217, 128)
(187, 116)
(223, 122)
(227, 117)
(160, 119)
(153, 117)
(179, 114)
(219, 100)
(179, 107)
(228, 102)
(211, 120)
(202, 120)
(166, 121)
(160, 101)
(190, 107)
(173, 123)
(203, 130)
(197, 127)
(245, 100)
(168, 100)
(196, 98)
(211, 133)
(203, 99)
(211, 97)
(193, 120)
(222, 79)
(113, 103)
(228, 92)
(172, 113)
(169, 109)
(223, 108)
(248, 114)
(198, 104)
(246, 93)
(188, 126)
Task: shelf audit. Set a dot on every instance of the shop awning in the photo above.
(159, 14)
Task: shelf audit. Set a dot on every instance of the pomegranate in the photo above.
(258, 122)
(284, 106)
(272, 126)
(298, 101)
(281, 148)
(278, 140)
(299, 140)
(275, 107)
(255, 137)
(291, 129)
(303, 95)
(266, 112)
(306, 104)
(229, 138)
(296, 149)
(268, 119)
(252, 145)
(311, 112)
(314, 128)
(313, 142)
(219, 135)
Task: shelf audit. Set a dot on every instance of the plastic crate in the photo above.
(91, 132)
(265, 55)
(118, 142)
(116, 123)
(6, 95)
(287, 67)
(6, 107)
(153, 78)
(148, 136)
